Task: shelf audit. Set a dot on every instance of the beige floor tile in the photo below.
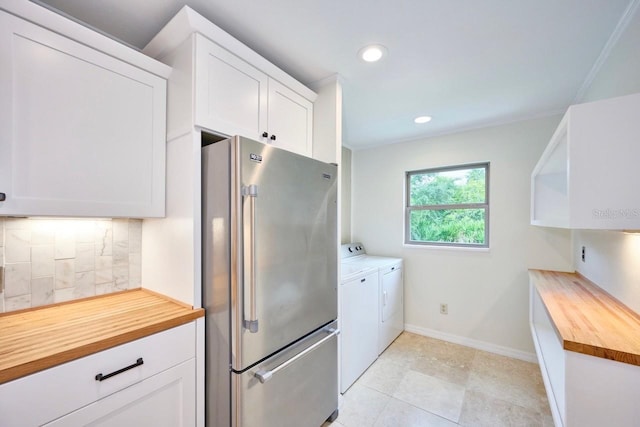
(400, 414)
(431, 394)
(480, 410)
(405, 349)
(547, 420)
(444, 349)
(508, 379)
(361, 406)
(408, 339)
(508, 368)
(447, 361)
(384, 375)
(437, 383)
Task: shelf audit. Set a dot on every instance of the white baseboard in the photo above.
(480, 345)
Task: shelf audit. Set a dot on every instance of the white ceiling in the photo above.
(468, 63)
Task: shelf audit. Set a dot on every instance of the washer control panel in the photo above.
(349, 250)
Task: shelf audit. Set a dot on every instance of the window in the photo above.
(448, 206)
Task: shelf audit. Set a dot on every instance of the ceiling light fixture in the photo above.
(372, 53)
(422, 119)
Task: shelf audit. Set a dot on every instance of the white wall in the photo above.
(487, 291)
(613, 258)
(619, 74)
(345, 206)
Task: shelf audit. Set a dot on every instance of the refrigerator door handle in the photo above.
(250, 310)
(264, 376)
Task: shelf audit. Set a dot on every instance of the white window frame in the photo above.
(408, 208)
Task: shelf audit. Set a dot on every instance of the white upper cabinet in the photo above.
(231, 95)
(290, 119)
(82, 133)
(587, 176)
(235, 91)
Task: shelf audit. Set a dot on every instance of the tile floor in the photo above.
(421, 382)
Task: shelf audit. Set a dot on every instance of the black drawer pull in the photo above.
(101, 377)
(3, 197)
(363, 280)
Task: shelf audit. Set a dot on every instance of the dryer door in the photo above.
(391, 292)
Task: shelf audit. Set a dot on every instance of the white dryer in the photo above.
(390, 289)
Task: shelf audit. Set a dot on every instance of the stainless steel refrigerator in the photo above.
(269, 286)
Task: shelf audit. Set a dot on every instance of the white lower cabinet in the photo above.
(160, 391)
(583, 390)
(164, 400)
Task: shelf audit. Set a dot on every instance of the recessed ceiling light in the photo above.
(422, 119)
(372, 53)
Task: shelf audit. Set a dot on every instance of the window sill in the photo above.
(447, 248)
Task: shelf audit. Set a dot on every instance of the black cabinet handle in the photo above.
(264, 134)
(101, 377)
(273, 137)
(3, 197)
(363, 280)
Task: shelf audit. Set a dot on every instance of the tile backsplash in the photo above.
(54, 260)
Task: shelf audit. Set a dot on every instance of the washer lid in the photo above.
(350, 271)
(373, 260)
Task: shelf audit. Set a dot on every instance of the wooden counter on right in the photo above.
(588, 347)
(586, 318)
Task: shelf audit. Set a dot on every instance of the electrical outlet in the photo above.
(444, 308)
(583, 252)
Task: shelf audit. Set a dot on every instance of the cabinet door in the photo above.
(81, 133)
(231, 95)
(166, 399)
(290, 119)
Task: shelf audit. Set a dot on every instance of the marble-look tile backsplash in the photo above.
(54, 260)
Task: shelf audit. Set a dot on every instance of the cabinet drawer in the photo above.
(65, 388)
(164, 400)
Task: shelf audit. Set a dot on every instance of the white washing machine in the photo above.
(358, 320)
(390, 290)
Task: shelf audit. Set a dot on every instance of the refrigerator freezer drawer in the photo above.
(295, 388)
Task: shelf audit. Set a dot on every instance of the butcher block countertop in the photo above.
(40, 338)
(587, 319)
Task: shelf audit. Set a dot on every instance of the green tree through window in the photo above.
(448, 206)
